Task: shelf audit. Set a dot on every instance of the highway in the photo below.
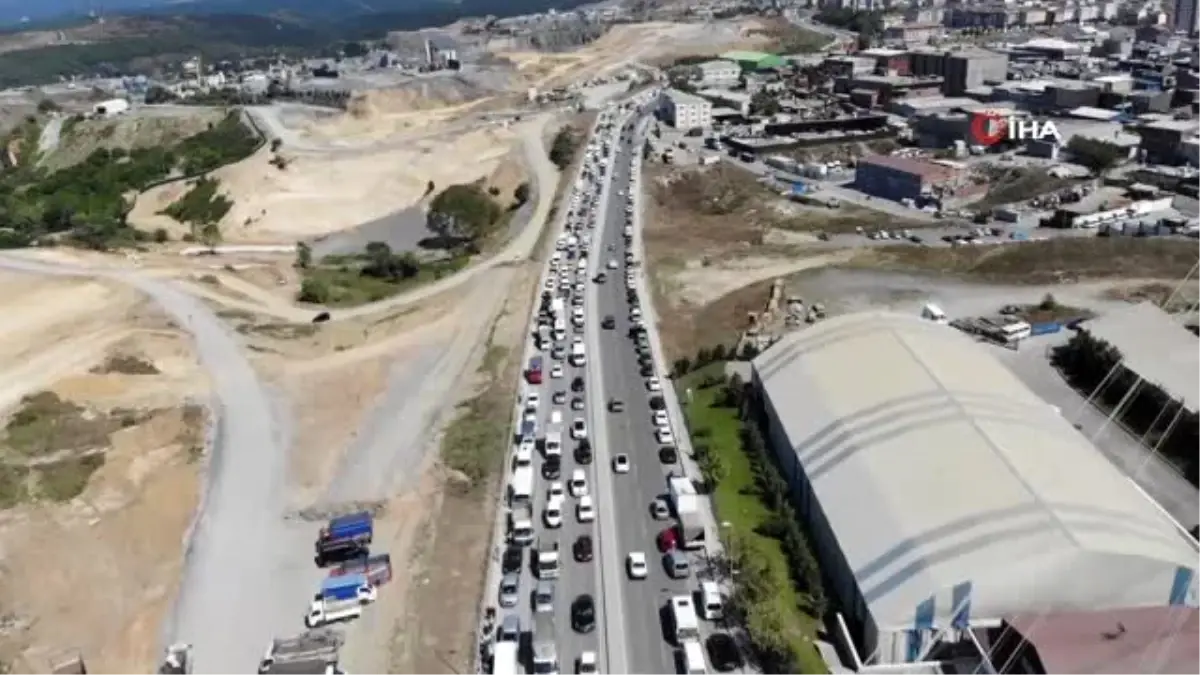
(632, 432)
(575, 577)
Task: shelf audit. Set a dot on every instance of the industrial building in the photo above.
(943, 498)
(899, 178)
(685, 111)
(969, 69)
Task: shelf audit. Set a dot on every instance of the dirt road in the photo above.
(240, 582)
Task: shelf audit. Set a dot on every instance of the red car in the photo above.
(667, 540)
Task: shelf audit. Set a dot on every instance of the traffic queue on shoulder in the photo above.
(555, 389)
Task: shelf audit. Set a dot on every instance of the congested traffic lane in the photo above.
(575, 577)
(632, 432)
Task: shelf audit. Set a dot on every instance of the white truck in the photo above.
(686, 503)
(547, 560)
(545, 652)
(684, 622)
(505, 658)
(520, 525)
(557, 308)
(341, 597)
(315, 651)
(553, 443)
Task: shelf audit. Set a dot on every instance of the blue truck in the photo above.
(345, 537)
(342, 597)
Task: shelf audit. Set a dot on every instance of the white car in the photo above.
(555, 417)
(584, 511)
(612, 264)
(579, 429)
(555, 491)
(578, 484)
(553, 514)
(664, 436)
(652, 384)
(586, 665)
(532, 400)
(635, 564)
(556, 370)
(621, 463)
(660, 419)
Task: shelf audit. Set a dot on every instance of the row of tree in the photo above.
(714, 354)
(1086, 361)
(759, 586)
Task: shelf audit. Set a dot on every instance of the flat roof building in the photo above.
(685, 111)
(900, 178)
(939, 492)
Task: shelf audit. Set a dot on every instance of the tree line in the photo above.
(1086, 361)
(86, 204)
(757, 588)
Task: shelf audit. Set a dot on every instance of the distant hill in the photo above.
(19, 14)
(158, 33)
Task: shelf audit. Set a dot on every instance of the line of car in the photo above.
(559, 357)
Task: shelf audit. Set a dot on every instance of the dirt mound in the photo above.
(416, 96)
(80, 138)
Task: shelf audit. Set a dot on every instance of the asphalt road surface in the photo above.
(632, 432)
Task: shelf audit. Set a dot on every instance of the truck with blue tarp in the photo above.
(345, 537)
(341, 597)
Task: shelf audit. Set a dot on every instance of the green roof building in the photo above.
(754, 60)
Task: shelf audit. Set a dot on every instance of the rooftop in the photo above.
(1142, 640)
(937, 468)
(678, 96)
(925, 169)
(1155, 346)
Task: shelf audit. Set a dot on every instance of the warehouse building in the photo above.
(943, 498)
(899, 178)
(685, 111)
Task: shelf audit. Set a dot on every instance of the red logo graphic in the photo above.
(989, 128)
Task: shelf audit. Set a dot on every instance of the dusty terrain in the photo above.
(100, 471)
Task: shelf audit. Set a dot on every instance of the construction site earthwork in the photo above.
(128, 374)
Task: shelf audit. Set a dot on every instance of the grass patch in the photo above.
(14, 488)
(201, 204)
(737, 502)
(279, 331)
(1039, 262)
(1016, 184)
(46, 424)
(126, 364)
(344, 284)
(66, 479)
(476, 440)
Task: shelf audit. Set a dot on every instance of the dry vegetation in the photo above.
(1051, 261)
(80, 138)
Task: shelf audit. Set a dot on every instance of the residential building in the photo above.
(969, 69)
(685, 111)
(912, 33)
(1162, 142)
(1186, 18)
(888, 61)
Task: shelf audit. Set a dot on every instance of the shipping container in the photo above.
(1046, 328)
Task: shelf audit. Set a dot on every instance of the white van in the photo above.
(560, 329)
(712, 605)
(553, 443)
(694, 662)
(683, 616)
(520, 487)
(524, 454)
